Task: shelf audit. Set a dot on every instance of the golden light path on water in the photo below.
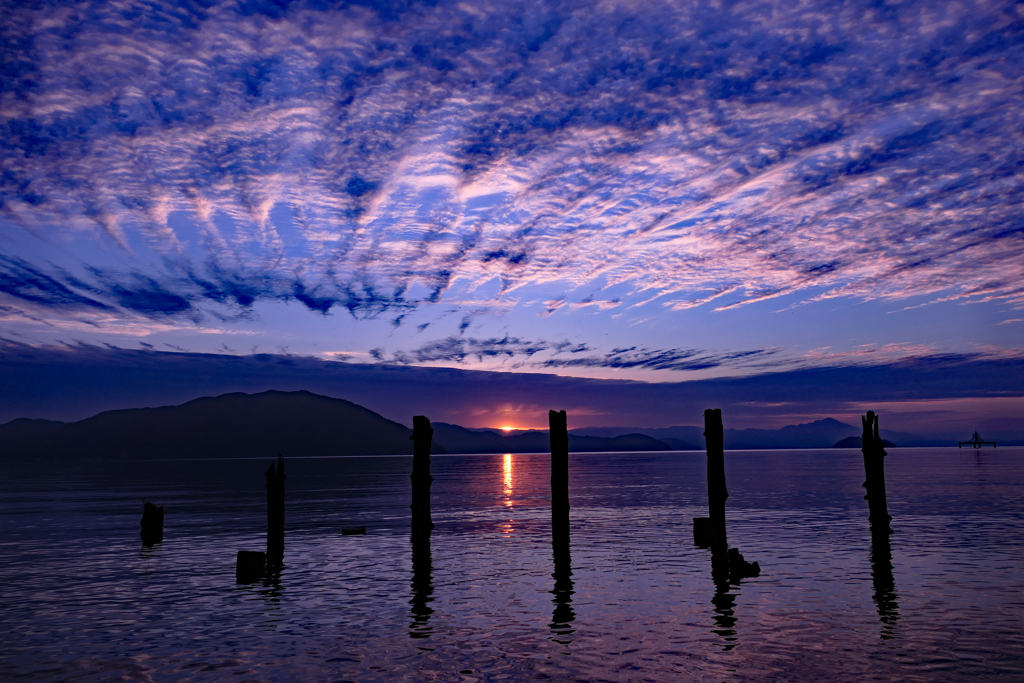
(506, 468)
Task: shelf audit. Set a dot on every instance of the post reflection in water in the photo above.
(563, 614)
(724, 601)
(422, 587)
(884, 584)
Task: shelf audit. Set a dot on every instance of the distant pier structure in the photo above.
(977, 442)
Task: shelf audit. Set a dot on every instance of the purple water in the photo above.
(82, 600)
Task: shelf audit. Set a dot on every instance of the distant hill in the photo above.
(228, 426)
(300, 422)
(458, 439)
(255, 425)
(680, 445)
(858, 442)
(817, 434)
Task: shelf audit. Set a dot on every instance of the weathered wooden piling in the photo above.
(559, 433)
(422, 436)
(250, 566)
(152, 523)
(710, 531)
(563, 613)
(874, 474)
(275, 513)
(727, 564)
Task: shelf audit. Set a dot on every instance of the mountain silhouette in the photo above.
(458, 439)
(228, 426)
(818, 434)
(302, 423)
(263, 425)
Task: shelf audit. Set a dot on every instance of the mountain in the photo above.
(228, 426)
(817, 434)
(243, 425)
(680, 445)
(458, 439)
(300, 422)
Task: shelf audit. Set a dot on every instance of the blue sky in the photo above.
(660, 192)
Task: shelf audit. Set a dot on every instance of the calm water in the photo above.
(80, 599)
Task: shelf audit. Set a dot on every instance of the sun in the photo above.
(507, 429)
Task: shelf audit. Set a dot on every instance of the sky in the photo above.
(795, 209)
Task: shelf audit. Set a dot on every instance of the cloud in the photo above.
(460, 349)
(662, 359)
(518, 353)
(20, 279)
(371, 159)
(78, 380)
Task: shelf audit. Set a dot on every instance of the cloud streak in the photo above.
(377, 160)
(936, 394)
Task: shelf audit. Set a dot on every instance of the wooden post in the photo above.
(559, 432)
(250, 566)
(422, 436)
(874, 474)
(717, 492)
(275, 513)
(152, 523)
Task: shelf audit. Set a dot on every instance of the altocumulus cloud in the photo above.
(372, 157)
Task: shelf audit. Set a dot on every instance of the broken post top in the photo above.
(421, 426)
(422, 436)
(871, 441)
(277, 474)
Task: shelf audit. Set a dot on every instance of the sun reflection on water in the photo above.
(507, 469)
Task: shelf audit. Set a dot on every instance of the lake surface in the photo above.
(82, 600)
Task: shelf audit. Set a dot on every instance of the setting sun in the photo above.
(507, 429)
